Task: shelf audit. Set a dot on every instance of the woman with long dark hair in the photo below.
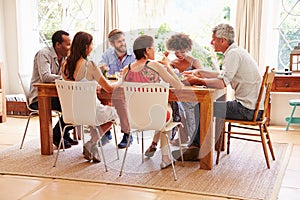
(78, 68)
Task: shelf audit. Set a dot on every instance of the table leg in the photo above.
(45, 125)
(206, 135)
(219, 129)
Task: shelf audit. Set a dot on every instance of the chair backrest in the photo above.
(25, 80)
(265, 89)
(78, 101)
(146, 105)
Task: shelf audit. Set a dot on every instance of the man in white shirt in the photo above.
(239, 70)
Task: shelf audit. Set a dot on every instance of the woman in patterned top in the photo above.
(145, 69)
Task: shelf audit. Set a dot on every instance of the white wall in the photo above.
(280, 108)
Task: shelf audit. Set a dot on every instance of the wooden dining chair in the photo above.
(78, 103)
(25, 82)
(146, 105)
(263, 135)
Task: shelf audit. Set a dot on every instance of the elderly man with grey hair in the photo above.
(239, 70)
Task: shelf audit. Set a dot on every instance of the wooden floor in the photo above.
(31, 188)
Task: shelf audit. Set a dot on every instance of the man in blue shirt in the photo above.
(118, 55)
(116, 58)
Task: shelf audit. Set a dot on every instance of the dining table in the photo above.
(205, 96)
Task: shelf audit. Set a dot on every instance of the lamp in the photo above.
(295, 59)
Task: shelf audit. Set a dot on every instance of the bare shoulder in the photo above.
(125, 69)
(91, 63)
(155, 65)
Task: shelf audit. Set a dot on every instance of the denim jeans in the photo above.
(227, 110)
(55, 105)
(234, 110)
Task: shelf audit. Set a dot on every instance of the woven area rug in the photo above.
(242, 173)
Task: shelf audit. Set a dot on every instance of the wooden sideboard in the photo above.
(2, 97)
(284, 83)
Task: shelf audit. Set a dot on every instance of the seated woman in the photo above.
(144, 69)
(186, 112)
(78, 68)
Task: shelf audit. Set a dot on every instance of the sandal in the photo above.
(151, 150)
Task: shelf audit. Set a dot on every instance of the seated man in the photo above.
(117, 57)
(46, 69)
(240, 71)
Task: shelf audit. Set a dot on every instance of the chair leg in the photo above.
(263, 141)
(228, 137)
(78, 132)
(116, 142)
(143, 148)
(220, 145)
(21, 146)
(170, 155)
(180, 148)
(61, 131)
(269, 141)
(82, 135)
(101, 147)
(60, 142)
(125, 154)
(290, 119)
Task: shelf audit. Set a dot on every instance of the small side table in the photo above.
(292, 119)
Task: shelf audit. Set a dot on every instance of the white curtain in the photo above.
(248, 26)
(111, 20)
(269, 38)
(256, 22)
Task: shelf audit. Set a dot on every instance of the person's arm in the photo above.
(167, 74)
(206, 74)
(98, 76)
(121, 80)
(43, 63)
(167, 65)
(214, 83)
(191, 79)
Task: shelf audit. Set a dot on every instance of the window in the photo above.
(289, 31)
(162, 18)
(39, 19)
(70, 16)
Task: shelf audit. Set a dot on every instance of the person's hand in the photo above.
(190, 79)
(186, 73)
(165, 61)
(194, 72)
(98, 89)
